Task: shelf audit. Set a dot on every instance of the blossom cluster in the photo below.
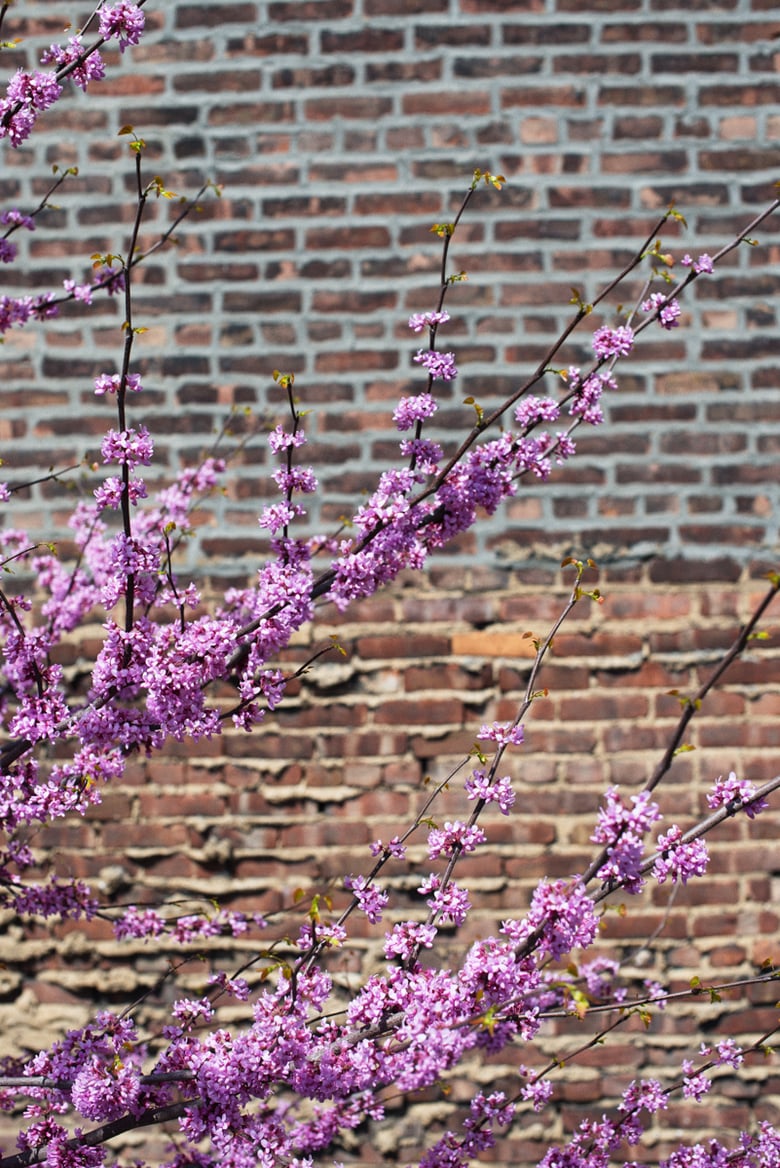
(29, 94)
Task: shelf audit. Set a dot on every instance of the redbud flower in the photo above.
(394, 848)
(102, 1093)
(694, 1086)
(440, 366)
(478, 786)
(609, 342)
(649, 1095)
(454, 836)
(123, 20)
(92, 68)
(110, 382)
(371, 900)
(18, 219)
(668, 310)
(279, 439)
(702, 264)
(414, 409)
(680, 860)
(420, 320)
(407, 937)
(736, 791)
(129, 448)
(503, 734)
(538, 1093)
(82, 292)
(112, 279)
(534, 409)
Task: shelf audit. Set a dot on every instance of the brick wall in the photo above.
(341, 130)
(249, 820)
(340, 133)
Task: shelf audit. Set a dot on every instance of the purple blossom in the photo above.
(27, 95)
(394, 848)
(426, 455)
(420, 320)
(279, 439)
(111, 383)
(297, 478)
(370, 899)
(479, 786)
(440, 366)
(680, 860)
(102, 1093)
(502, 733)
(701, 265)
(82, 292)
(620, 829)
(587, 395)
(695, 1086)
(123, 20)
(726, 1053)
(91, 68)
(112, 279)
(407, 938)
(17, 219)
(734, 792)
(190, 1011)
(16, 122)
(536, 409)
(139, 924)
(537, 1092)
(563, 915)
(411, 410)
(130, 448)
(279, 515)
(109, 494)
(647, 1094)
(599, 976)
(564, 446)
(608, 342)
(43, 307)
(668, 310)
(456, 837)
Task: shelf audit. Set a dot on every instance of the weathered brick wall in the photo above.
(341, 131)
(249, 820)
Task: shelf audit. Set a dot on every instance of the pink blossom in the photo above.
(680, 860)
(91, 68)
(608, 342)
(701, 265)
(414, 409)
(82, 292)
(503, 734)
(668, 310)
(420, 320)
(101, 1093)
(454, 837)
(734, 792)
(536, 409)
(371, 899)
(440, 366)
(279, 439)
(406, 939)
(130, 448)
(123, 20)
